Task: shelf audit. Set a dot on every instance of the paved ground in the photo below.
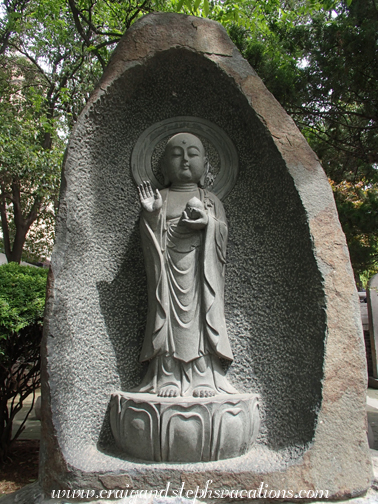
(3, 260)
(33, 425)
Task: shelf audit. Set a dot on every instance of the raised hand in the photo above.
(151, 201)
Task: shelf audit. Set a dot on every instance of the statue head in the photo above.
(184, 160)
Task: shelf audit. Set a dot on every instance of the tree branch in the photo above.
(4, 223)
(18, 217)
(33, 60)
(108, 42)
(4, 41)
(137, 11)
(33, 214)
(76, 13)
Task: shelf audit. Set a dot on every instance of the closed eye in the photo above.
(193, 152)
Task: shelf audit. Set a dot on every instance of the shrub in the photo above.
(22, 302)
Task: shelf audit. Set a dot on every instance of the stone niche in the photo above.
(290, 302)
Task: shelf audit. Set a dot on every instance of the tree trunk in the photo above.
(22, 223)
(18, 245)
(5, 436)
(4, 223)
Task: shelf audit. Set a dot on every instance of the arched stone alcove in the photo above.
(290, 305)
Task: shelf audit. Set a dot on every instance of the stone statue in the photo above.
(184, 410)
(184, 236)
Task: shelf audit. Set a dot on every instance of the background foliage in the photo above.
(318, 57)
(22, 298)
(320, 62)
(22, 302)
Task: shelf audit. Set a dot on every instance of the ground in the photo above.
(22, 467)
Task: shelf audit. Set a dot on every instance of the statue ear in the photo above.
(205, 172)
(164, 172)
(166, 180)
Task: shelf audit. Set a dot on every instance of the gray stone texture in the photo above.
(372, 298)
(290, 301)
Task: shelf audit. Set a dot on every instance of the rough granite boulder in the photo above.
(291, 305)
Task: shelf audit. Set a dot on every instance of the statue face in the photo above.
(184, 159)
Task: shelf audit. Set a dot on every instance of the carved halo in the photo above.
(142, 155)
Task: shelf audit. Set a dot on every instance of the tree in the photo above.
(340, 118)
(52, 54)
(22, 301)
(29, 173)
(13, 10)
(310, 54)
(320, 63)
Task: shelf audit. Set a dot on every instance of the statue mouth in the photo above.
(186, 172)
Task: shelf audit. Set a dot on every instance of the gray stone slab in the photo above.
(299, 346)
(372, 298)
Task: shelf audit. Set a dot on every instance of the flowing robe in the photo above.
(185, 276)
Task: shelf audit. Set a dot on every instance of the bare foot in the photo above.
(168, 391)
(203, 392)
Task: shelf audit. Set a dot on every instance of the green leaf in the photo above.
(179, 5)
(206, 7)
(189, 5)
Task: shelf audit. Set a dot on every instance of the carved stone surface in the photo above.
(184, 236)
(291, 308)
(224, 162)
(184, 429)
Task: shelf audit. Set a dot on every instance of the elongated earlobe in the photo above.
(166, 180)
(164, 173)
(201, 182)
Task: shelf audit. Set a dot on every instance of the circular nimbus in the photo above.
(143, 160)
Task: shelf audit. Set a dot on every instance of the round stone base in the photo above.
(184, 429)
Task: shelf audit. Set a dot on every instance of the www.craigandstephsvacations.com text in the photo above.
(262, 492)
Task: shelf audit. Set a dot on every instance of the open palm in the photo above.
(151, 201)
